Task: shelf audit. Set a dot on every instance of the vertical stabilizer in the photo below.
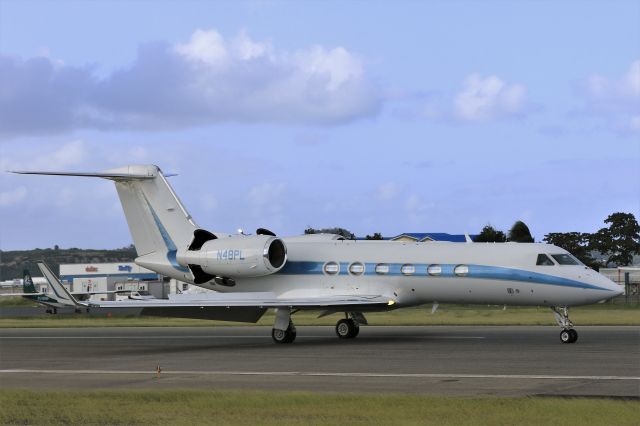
(61, 293)
(158, 222)
(27, 282)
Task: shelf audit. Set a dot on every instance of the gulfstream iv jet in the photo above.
(327, 273)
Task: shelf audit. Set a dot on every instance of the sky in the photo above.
(389, 117)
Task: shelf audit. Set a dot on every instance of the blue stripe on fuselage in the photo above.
(475, 271)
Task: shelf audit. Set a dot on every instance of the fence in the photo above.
(629, 278)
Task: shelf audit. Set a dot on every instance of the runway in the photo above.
(438, 360)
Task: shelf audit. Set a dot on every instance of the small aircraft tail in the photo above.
(61, 293)
(27, 283)
(158, 222)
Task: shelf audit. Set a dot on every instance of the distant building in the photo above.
(120, 276)
(416, 237)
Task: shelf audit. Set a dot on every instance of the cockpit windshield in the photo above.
(544, 260)
(565, 259)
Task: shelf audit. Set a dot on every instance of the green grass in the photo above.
(189, 407)
(16, 301)
(446, 315)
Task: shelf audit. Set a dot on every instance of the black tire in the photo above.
(356, 330)
(284, 336)
(574, 335)
(279, 336)
(291, 335)
(347, 329)
(565, 336)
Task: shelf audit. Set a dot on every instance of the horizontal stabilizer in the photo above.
(105, 175)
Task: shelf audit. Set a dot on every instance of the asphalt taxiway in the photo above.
(439, 360)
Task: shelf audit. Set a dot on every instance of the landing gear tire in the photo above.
(568, 336)
(284, 336)
(347, 328)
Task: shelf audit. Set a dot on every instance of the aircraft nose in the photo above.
(616, 288)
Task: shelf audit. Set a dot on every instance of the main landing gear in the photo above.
(284, 336)
(568, 334)
(349, 327)
(285, 332)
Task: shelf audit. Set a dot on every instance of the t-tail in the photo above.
(157, 219)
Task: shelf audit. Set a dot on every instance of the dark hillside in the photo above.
(12, 263)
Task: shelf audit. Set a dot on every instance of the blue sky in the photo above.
(376, 116)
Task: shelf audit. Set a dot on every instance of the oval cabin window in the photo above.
(382, 268)
(461, 270)
(434, 270)
(356, 268)
(408, 269)
(331, 268)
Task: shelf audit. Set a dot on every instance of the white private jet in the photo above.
(328, 273)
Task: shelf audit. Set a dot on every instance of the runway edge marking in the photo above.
(324, 374)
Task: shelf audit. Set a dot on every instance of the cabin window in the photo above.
(408, 269)
(356, 268)
(382, 268)
(434, 270)
(461, 270)
(565, 259)
(331, 268)
(544, 260)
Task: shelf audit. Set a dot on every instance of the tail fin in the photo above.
(62, 295)
(158, 222)
(27, 282)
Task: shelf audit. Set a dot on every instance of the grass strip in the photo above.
(446, 315)
(189, 407)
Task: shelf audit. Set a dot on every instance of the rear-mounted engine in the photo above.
(210, 258)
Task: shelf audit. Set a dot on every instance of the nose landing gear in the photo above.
(568, 334)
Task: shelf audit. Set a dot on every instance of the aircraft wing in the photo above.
(254, 300)
(22, 294)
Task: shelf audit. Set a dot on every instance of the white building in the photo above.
(85, 277)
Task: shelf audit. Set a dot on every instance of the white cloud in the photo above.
(59, 158)
(204, 80)
(13, 197)
(489, 98)
(207, 47)
(617, 101)
(266, 193)
(387, 191)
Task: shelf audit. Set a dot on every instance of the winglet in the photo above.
(467, 238)
(58, 289)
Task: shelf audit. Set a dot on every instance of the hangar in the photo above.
(123, 276)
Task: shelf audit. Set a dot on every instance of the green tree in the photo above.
(375, 236)
(576, 243)
(519, 233)
(490, 235)
(337, 230)
(621, 240)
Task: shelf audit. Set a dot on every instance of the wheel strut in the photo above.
(568, 334)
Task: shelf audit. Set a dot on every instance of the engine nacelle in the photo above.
(235, 257)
